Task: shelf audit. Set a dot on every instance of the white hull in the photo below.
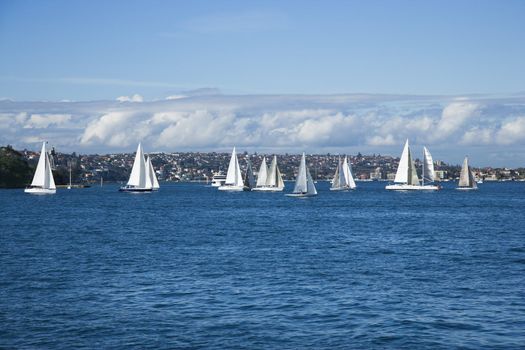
(342, 189)
(466, 188)
(268, 189)
(135, 189)
(231, 188)
(403, 187)
(40, 191)
(217, 184)
(300, 195)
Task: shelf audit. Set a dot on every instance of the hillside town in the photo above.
(198, 166)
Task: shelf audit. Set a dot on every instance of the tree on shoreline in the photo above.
(15, 172)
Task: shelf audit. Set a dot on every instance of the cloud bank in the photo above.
(489, 129)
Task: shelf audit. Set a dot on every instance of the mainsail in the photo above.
(428, 167)
(349, 177)
(274, 177)
(234, 176)
(43, 177)
(406, 170)
(339, 180)
(262, 174)
(466, 177)
(138, 172)
(304, 184)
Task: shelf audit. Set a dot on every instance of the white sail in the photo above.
(349, 177)
(153, 176)
(262, 174)
(301, 181)
(406, 170)
(402, 168)
(138, 172)
(43, 177)
(149, 180)
(310, 186)
(274, 178)
(234, 176)
(466, 177)
(428, 166)
(339, 180)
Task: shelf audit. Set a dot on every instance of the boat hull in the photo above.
(403, 187)
(231, 188)
(135, 190)
(341, 189)
(300, 195)
(466, 188)
(40, 191)
(268, 189)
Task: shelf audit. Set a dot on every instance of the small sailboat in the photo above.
(138, 181)
(249, 179)
(304, 184)
(69, 186)
(262, 174)
(43, 181)
(428, 174)
(349, 176)
(343, 179)
(273, 178)
(234, 181)
(467, 181)
(152, 178)
(406, 176)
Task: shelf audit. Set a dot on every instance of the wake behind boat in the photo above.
(304, 184)
(406, 176)
(43, 181)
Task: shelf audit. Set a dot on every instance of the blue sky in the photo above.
(86, 50)
(270, 76)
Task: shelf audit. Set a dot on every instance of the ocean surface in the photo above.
(192, 267)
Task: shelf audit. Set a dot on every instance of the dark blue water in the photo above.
(191, 267)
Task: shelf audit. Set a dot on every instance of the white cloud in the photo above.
(453, 117)
(133, 98)
(335, 123)
(512, 132)
(43, 121)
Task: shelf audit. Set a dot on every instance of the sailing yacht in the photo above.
(139, 181)
(467, 181)
(249, 179)
(234, 180)
(262, 174)
(406, 176)
(43, 182)
(273, 178)
(150, 173)
(343, 179)
(304, 184)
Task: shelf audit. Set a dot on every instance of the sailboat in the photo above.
(428, 174)
(349, 177)
(343, 179)
(249, 179)
(261, 175)
(304, 184)
(43, 181)
(234, 180)
(150, 173)
(406, 176)
(69, 186)
(467, 181)
(274, 180)
(138, 180)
